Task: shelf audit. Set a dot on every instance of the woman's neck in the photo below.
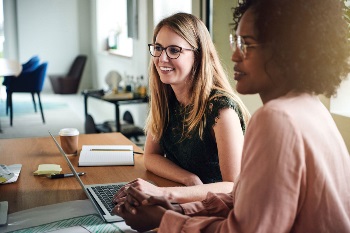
(276, 93)
(182, 95)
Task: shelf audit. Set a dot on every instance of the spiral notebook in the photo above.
(106, 155)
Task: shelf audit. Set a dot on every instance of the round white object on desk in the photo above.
(113, 79)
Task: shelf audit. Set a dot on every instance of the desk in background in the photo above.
(98, 94)
(31, 191)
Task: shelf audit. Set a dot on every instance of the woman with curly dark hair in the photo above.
(295, 166)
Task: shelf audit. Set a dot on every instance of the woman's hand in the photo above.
(138, 216)
(135, 198)
(192, 180)
(146, 218)
(141, 211)
(141, 185)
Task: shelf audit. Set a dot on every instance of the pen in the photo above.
(56, 176)
(115, 150)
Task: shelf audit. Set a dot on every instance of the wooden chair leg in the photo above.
(34, 101)
(41, 108)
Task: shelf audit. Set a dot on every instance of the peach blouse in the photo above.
(295, 176)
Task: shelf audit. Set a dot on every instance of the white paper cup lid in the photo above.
(68, 132)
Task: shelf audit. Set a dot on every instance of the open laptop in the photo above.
(101, 195)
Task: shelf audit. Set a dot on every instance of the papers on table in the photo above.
(9, 173)
(106, 155)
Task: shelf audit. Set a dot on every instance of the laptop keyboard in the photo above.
(106, 193)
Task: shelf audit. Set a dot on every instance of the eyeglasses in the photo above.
(238, 42)
(172, 51)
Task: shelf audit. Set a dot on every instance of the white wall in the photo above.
(49, 29)
(10, 29)
(162, 9)
(340, 104)
(53, 30)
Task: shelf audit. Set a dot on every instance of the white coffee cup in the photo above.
(69, 140)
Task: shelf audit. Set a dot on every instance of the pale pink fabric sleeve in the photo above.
(294, 178)
(215, 204)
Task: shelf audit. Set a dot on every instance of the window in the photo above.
(162, 9)
(2, 38)
(112, 27)
(340, 104)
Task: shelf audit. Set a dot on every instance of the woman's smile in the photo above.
(166, 68)
(238, 74)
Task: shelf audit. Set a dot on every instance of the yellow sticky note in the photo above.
(48, 169)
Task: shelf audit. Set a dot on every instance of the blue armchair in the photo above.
(30, 65)
(28, 81)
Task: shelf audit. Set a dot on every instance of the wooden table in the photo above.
(32, 191)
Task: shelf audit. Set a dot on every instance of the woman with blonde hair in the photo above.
(196, 122)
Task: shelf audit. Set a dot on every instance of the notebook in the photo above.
(106, 155)
(101, 195)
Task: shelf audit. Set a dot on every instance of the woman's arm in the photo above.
(156, 162)
(229, 139)
(180, 194)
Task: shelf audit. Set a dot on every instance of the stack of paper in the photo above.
(48, 169)
(106, 155)
(9, 173)
(5, 173)
(118, 96)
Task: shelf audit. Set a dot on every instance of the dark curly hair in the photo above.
(308, 39)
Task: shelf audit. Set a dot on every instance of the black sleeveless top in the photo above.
(193, 154)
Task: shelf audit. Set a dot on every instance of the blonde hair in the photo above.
(207, 75)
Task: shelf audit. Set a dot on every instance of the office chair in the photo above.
(29, 81)
(92, 127)
(69, 83)
(128, 128)
(31, 64)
